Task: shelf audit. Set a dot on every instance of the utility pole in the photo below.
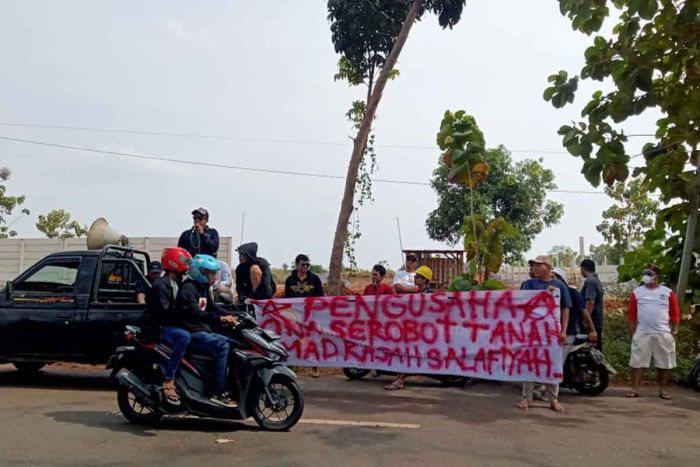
(689, 243)
(398, 226)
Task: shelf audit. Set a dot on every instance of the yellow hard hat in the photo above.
(426, 272)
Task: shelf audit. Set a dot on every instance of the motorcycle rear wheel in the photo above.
(596, 378)
(695, 377)
(131, 408)
(355, 373)
(276, 415)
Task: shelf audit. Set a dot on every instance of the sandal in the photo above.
(632, 394)
(170, 393)
(665, 396)
(523, 404)
(393, 386)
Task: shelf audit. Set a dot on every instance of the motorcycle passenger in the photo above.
(421, 279)
(161, 310)
(196, 306)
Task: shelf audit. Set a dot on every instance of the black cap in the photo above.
(155, 266)
(201, 211)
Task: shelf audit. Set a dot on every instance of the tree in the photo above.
(652, 62)
(626, 221)
(368, 33)
(605, 254)
(562, 256)
(58, 224)
(8, 204)
(515, 191)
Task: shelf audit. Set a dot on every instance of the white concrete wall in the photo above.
(18, 254)
(517, 274)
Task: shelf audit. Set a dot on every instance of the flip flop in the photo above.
(632, 394)
(393, 386)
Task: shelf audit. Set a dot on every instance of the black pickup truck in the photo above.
(72, 307)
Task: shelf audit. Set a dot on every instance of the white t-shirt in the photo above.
(654, 309)
(404, 278)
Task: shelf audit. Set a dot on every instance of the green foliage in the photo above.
(58, 224)
(617, 342)
(562, 256)
(605, 254)
(462, 143)
(483, 242)
(317, 269)
(652, 60)
(626, 221)
(8, 204)
(515, 191)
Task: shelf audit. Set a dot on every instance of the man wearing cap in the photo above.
(653, 319)
(155, 270)
(403, 280)
(542, 270)
(200, 239)
(422, 277)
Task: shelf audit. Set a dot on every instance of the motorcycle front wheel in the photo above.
(591, 378)
(355, 373)
(283, 410)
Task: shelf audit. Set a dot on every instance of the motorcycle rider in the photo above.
(161, 309)
(198, 312)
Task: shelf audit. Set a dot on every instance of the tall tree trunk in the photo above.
(346, 206)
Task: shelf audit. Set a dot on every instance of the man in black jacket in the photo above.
(303, 282)
(253, 275)
(197, 313)
(200, 239)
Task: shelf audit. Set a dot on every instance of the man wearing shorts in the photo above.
(654, 315)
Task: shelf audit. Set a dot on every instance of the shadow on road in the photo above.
(57, 378)
(115, 422)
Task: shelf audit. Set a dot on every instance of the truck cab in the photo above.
(72, 306)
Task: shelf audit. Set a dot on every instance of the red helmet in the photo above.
(176, 259)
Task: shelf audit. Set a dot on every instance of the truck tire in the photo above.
(29, 367)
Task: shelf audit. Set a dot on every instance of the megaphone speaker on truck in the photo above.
(101, 234)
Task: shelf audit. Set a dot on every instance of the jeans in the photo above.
(217, 346)
(177, 339)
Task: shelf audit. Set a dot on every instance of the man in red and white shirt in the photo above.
(654, 315)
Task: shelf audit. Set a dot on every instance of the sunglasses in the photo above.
(411, 258)
(198, 218)
(305, 265)
(649, 273)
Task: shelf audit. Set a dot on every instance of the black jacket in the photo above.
(311, 286)
(206, 243)
(195, 307)
(244, 286)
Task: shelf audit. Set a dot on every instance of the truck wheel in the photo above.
(29, 367)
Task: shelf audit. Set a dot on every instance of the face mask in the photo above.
(648, 279)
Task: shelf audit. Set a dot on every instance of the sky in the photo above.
(260, 75)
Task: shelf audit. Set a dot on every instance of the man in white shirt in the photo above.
(404, 280)
(654, 316)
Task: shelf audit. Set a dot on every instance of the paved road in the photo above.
(69, 417)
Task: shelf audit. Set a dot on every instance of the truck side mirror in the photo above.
(9, 289)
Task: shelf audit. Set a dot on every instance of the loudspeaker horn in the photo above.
(101, 234)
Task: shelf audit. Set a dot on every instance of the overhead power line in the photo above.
(241, 138)
(234, 167)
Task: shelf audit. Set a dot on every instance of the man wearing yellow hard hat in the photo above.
(422, 281)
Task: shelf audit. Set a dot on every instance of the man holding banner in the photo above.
(541, 268)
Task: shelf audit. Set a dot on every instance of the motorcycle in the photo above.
(695, 374)
(586, 370)
(448, 380)
(266, 389)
